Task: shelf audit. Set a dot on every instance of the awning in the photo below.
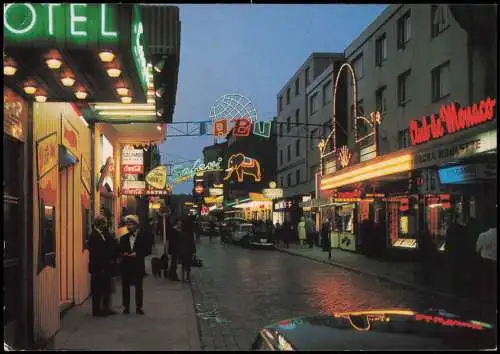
(255, 205)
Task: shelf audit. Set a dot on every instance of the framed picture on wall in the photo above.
(46, 154)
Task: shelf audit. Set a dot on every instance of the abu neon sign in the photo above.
(181, 174)
(451, 121)
(76, 21)
(241, 127)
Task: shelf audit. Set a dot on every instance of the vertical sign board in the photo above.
(61, 25)
(132, 161)
(137, 46)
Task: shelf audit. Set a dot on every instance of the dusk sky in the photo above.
(252, 50)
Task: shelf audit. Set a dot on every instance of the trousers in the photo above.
(136, 282)
(100, 284)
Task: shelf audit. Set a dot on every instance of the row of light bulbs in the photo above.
(107, 57)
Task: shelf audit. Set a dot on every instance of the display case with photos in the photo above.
(402, 221)
(47, 246)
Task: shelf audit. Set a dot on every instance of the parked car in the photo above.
(229, 225)
(242, 233)
(261, 237)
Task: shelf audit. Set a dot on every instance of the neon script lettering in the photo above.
(451, 121)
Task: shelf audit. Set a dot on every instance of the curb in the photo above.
(384, 278)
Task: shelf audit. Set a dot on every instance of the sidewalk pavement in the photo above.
(169, 322)
(401, 273)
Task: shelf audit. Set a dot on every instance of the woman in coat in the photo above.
(301, 228)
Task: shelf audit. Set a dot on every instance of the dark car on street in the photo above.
(381, 329)
(261, 237)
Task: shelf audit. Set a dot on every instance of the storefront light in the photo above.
(41, 98)
(53, 63)
(122, 91)
(68, 81)
(151, 93)
(81, 94)
(106, 56)
(113, 72)
(9, 70)
(126, 99)
(158, 127)
(30, 89)
(150, 100)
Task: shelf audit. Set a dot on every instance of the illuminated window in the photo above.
(439, 19)
(380, 50)
(404, 30)
(403, 88)
(307, 77)
(440, 82)
(358, 65)
(280, 104)
(297, 148)
(327, 93)
(288, 124)
(381, 99)
(288, 96)
(297, 117)
(289, 179)
(314, 103)
(289, 153)
(297, 177)
(297, 87)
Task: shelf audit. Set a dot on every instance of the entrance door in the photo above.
(67, 236)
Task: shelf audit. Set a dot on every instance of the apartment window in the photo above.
(297, 177)
(439, 19)
(280, 104)
(281, 157)
(403, 138)
(289, 179)
(307, 77)
(297, 89)
(314, 103)
(288, 95)
(404, 30)
(288, 124)
(403, 88)
(381, 99)
(441, 81)
(327, 93)
(314, 134)
(380, 50)
(297, 117)
(289, 153)
(358, 66)
(297, 148)
(281, 129)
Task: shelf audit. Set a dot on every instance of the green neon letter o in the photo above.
(27, 29)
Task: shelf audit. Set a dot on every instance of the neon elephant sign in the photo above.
(243, 165)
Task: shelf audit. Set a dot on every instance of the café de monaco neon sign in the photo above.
(181, 174)
(450, 121)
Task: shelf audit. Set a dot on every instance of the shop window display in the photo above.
(438, 214)
(402, 220)
(346, 226)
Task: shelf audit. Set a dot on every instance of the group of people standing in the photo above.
(181, 247)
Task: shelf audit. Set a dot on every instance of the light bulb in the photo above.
(41, 98)
(151, 100)
(80, 94)
(68, 81)
(106, 57)
(113, 72)
(54, 63)
(29, 89)
(122, 91)
(126, 99)
(9, 70)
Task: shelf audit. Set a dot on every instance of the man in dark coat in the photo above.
(101, 257)
(187, 248)
(174, 236)
(133, 249)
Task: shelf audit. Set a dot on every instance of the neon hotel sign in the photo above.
(450, 121)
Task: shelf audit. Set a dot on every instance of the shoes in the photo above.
(139, 312)
(126, 311)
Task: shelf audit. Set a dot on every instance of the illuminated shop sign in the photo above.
(243, 165)
(273, 193)
(450, 322)
(344, 156)
(133, 188)
(478, 144)
(215, 191)
(132, 160)
(451, 120)
(467, 173)
(241, 127)
(181, 173)
(283, 205)
(157, 177)
(80, 24)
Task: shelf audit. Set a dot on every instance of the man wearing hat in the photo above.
(133, 250)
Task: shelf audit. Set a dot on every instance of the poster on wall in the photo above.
(15, 114)
(85, 174)
(46, 153)
(69, 136)
(133, 188)
(132, 160)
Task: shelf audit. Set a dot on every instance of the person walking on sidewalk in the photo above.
(301, 228)
(133, 249)
(101, 257)
(310, 231)
(173, 248)
(325, 237)
(187, 248)
(286, 232)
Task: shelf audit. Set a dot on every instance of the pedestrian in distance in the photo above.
(133, 249)
(173, 248)
(101, 257)
(187, 248)
(325, 237)
(301, 228)
(286, 231)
